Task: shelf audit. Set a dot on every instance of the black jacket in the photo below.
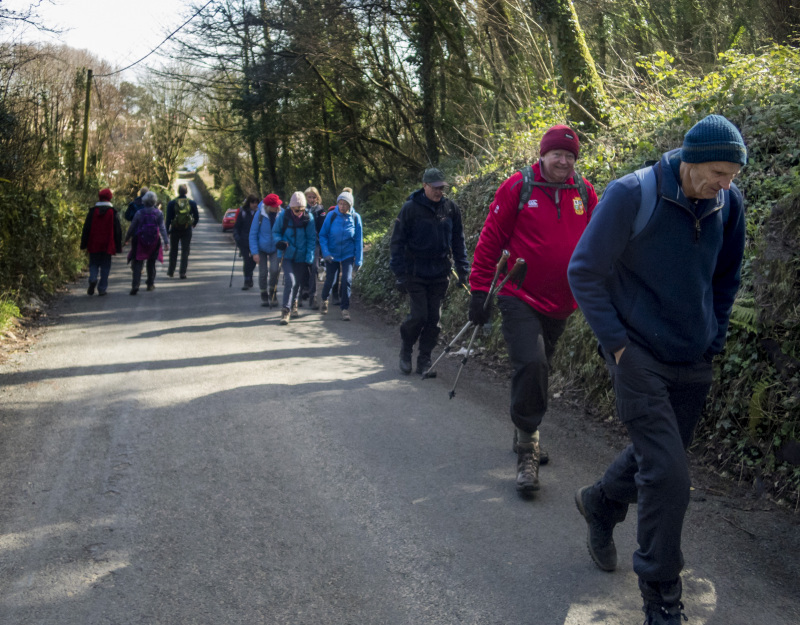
(425, 236)
(241, 229)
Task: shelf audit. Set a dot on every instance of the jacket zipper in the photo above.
(697, 227)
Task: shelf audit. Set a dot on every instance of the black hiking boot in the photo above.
(423, 364)
(134, 291)
(405, 358)
(264, 298)
(662, 602)
(528, 469)
(592, 504)
(90, 290)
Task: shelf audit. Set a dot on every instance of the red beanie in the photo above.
(105, 195)
(560, 138)
(272, 200)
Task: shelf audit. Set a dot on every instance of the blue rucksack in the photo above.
(649, 178)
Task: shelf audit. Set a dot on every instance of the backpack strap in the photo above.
(528, 183)
(650, 188)
(527, 186)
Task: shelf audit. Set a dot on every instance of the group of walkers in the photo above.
(293, 240)
(654, 266)
(149, 232)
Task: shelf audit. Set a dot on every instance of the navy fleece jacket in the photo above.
(670, 289)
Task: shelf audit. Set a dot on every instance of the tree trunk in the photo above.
(427, 72)
(587, 98)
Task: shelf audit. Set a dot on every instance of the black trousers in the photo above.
(248, 264)
(422, 321)
(531, 339)
(184, 237)
(660, 405)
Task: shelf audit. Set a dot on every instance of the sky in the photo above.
(119, 31)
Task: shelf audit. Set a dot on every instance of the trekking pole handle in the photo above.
(516, 276)
(500, 266)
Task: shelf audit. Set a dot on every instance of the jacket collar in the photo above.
(420, 198)
(671, 186)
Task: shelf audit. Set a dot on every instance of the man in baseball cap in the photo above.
(427, 233)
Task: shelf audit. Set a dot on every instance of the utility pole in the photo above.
(85, 144)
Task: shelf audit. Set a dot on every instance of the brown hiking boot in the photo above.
(284, 316)
(323, 308)
(527, 469)
(294, 312)
(544, 457)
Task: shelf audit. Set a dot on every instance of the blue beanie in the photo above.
(714, 138)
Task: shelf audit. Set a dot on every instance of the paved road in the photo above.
(178, 457)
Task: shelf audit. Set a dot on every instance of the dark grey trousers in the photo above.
(531, 339)
(422, 321)
(660, 405)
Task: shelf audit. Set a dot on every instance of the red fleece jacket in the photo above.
(542, 234)
(101, 235)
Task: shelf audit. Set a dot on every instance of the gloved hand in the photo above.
(463, 278)
(401, 285)
(282, 245)
(477, 314)
(329, 259)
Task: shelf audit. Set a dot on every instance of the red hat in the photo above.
(105, 195)
(272, 200)
(560, 138)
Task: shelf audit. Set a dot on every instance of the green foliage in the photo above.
(380, 210)
(8, 310)
(230, 197)
(39, 239)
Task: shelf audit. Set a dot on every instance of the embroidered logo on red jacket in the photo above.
(577, 204)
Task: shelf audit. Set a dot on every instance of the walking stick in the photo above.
(516, 276)
(233, 268)
(500, 265)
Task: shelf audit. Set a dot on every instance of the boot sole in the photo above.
(579, 504)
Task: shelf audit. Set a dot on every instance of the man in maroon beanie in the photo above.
(538, 214)
(102, 238)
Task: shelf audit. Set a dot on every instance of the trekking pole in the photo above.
(466, 288)
(500, 264)
(516, 276)
(233, 268)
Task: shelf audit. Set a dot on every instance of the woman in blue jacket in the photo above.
(341, 240)
(296, 239)
(262, 247)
